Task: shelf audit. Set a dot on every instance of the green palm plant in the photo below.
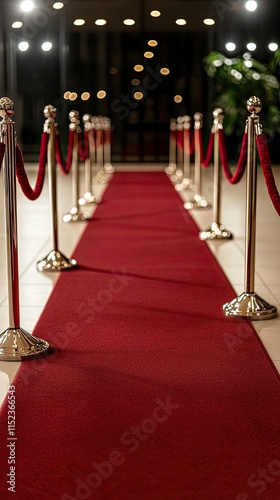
(238, 78)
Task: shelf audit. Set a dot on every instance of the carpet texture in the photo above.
(150, 393)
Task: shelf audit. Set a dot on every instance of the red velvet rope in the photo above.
(242, 160)
(267, 171)
(30, 193)
(2, 152)
(205, 162)
(83, 149)
(65, 166)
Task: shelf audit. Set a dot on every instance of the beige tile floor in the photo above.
(34, 243)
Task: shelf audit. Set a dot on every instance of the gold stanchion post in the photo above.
(170, 169)
(89, 196)
(109, 169)
(179, 173)
(198, 201)
(249, 304)
(55, 260)
(75, 214)
(15, 343)
(187, 182)
(101, 176)
(216, 231)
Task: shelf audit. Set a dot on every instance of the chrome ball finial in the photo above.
(254, 105)
(74, 115)
(49, 111)
(218, 112)
(198, 117)
(7, 107)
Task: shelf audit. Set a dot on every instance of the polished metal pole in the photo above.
(9, 173)
(15, 343)
(216, 231)
(187, 147)
(55, 260)
(249, 304)
(198, 123)
(109, 169)
(170, 169)
(88, 196)
(198, 201)
(75, 214)
(49, 127)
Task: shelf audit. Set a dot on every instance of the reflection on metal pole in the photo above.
(216, 231)
(15, 343)
(249, 304)
(55, 260)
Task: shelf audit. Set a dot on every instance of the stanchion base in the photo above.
(89, 198)
(75, 215)
(109, 169)
(197, 201)
(185, 184)
(170, 169)
(56, 261)
(251, 306)
(101, 177)
(215, 232)
(17, 344)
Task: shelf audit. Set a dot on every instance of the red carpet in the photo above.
(150, 393)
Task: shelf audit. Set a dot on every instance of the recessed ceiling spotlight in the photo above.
(251, 5)
(17, 24)
(100, 22)
(85, 96)
(181, 22)
(178, 98)
(79, 22)
(273, 46)
(129, 22)
(138, 67)
(138, 96)
(152, 43)
(23, 46)
(58, 5)
(101, 94)
(155, 13)
(46, 46)
(148, 55)
(164, 71)
(251, 46)
(208, 21)
(230, 46)
(27, 6)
